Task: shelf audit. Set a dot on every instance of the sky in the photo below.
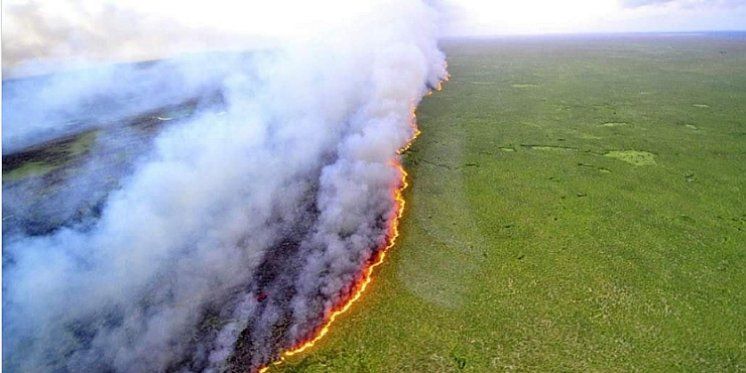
(57, 32)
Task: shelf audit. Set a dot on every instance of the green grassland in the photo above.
(576, 205)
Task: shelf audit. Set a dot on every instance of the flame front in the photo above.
(366, 278)
(391, 234)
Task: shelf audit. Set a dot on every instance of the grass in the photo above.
(50, 157)
(44, 158)
(82, 143)
(538, 237)
(27, 169)
(635, 157)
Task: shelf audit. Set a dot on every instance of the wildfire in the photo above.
(415, 132)
(446, 77)
(380, 255)
(366, 278)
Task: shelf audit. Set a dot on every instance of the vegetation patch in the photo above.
(36, 168)
(635, 157)
(614, 124)
(42, 159)
(599, 169)
(549, 147)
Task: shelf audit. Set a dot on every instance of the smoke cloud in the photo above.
(42, 108)
(231, 233)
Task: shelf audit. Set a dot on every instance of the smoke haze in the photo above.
(230, 234)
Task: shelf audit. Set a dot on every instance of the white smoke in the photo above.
(47, 107)
(297, 167)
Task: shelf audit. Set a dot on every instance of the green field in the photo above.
(577, 204)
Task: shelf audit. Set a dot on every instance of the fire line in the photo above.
(378, 258)
(391, 236)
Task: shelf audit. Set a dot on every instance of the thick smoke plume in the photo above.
(232, 233)
(43, 108)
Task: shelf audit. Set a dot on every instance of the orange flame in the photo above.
(442, 80)
(367, 276)
(391, 235)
